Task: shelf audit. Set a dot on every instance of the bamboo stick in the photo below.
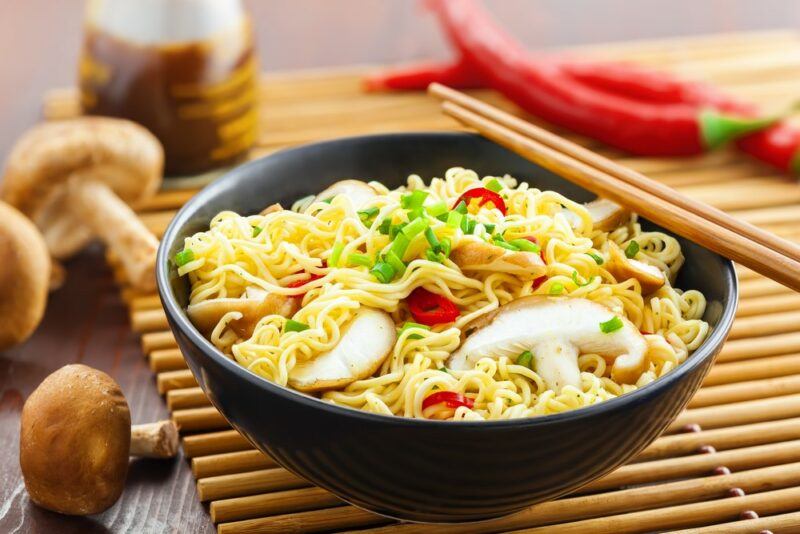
(149, 320)
(167, 360)
(214, 443)
(743, 349)
(329, 519)
(760, 287)
(763, 325)
(144, 302)
(179, 379)
(775, 523)
(768, 304)
(248, 483)
(166, 200)
(158, 340)
(748, 370)
(742, 391)
(739, 413)
(230, 462)
(186, 398)
(196, 419)
(266, 504)
(770, 215)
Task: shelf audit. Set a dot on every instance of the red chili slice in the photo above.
(541, 280)
(431, 309)
(485, 196)
(301, 283)
(450, 398)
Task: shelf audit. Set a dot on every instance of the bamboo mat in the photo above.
(729, 464)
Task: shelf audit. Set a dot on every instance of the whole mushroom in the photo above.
(76, 439)
(75, 178)
(24, 277)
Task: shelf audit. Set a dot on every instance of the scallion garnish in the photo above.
(436, 257)
(395, 230)
(359, 259)
(597, 258)
(507, 246)
(294, 326)
(257, 230)
(336, 253)
(436, 209)
(415, 227)
(400, 245)
(396, 262)
(454, 219)
(575, 279)
(183, 257)
(525, 359)
(385, 226)
(432, 239)
(445, 246)
(632, 249)
(367, 214)
(556, 289)
(408, 325)
(461, 208)
(613, 324)
(468, 225)
(494, 185)
(489, 227)
(383, 272)
(524, 244)
(413, 200)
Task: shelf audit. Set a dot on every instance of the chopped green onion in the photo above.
(454, 219)
(432, 239)
(556, 289)
(359, 259)
(525, 359)
(385, 226)
(328, 200)
(336, 253)
(461, 208)
(443, 217)
(575, 279)
(494, 185)
(414, 199)
(524, 244)
(383, 272)
(489, 227)
(597, 259)
(436, 209)
(436, 257)
(507, 246)
(294, 326)
(416, 213)
(445, 247)
(257, 230)
(408, 325)
(396, 262)
(468, 225)
(395, 230)
(415, 227)
(400, 245)
(632, 249)
(183, 257)
(613, 324)
(442, 369)
(367, 214)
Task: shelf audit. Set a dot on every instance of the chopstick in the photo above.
(763, 252)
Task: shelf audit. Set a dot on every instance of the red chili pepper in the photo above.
(311, 278)
(418, 76)
(779, 146)
(485, 196)
(450, 398)
(431, 309)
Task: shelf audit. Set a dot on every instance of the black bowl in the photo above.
(411, 469)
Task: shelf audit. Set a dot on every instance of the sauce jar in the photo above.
(184, 69)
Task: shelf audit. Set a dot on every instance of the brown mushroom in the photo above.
(24, 277)
(606, 215)
(74, 180)
(359, 193)
(75, 440)
(481, 256)
(252, 306)
(622, 268)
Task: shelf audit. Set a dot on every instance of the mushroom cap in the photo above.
(359, 193)
(75, 435)
(606, 214)
(119, 153)
(365, 342)
(548, 327)
(650, 277)
(482, 256)
(24, 277)
(252, 306)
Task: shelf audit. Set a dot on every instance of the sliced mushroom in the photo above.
(253, 305)
(364, 344)
(556, 330)
(622, 268)
(359, 193)
(606, 215)
(482, 256)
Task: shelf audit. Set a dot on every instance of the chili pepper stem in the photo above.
(718, 128)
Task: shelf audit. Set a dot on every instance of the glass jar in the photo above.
(184, 69)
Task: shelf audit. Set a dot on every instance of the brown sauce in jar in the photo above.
(199, 98)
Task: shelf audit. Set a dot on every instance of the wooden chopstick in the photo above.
(628, 175)
(662, 211)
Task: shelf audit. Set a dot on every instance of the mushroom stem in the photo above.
(118, 227)
(154, 440)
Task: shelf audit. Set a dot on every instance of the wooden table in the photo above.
(87, 322)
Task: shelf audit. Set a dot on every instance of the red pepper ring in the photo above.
(450, 398)
(311, 278)
(485, 196)
(431, 309)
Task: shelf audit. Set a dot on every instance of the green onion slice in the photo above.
(383, 272)
(575, 279)
(413, 200)
(408, 325)
(454, 219)
(494, 185)
(336, 253)
(632, 249)
(612, 325)
(257, 230)
(596, 257)
(415, 227)
(461, 208)
(436, 209)
(524, 244)
(359, 259)
(396, 262)
(294, 326)
(432, 239)
(556, 289)
(385, 226)
(400, 245)
(183, 257)
(525, 359)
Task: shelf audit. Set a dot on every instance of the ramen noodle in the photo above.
(466, 299)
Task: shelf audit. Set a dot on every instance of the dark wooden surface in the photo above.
(87, 322)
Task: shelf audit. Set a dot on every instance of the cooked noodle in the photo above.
(229, 258)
